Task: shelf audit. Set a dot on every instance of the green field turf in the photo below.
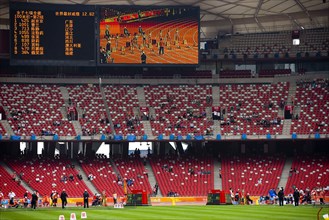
(171, 212)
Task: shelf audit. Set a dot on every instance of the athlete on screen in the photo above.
(143, 57)
(107, 32)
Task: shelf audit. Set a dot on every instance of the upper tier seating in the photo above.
(35, 109)
(272, 73)
(180, 179)
(254, 101)
(195, 74)
(133, 168)
(235, 74)
(7, 184)
(179, 110)
(104, 177)
(121, 101)
(313, 101)
(172, 105)
(198, 74)
(45, 175)
(309, 171)
(88, 99)
(253, 174)
(257, 45)
(313, 43)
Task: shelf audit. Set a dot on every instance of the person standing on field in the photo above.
(85, 199)
(296, 196)
(64, 198)
(34, 200)
(281, 196)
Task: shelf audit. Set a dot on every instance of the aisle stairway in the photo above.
(89, 184)
(7, 127)
(215, 95)
(148, 129)
(285, 173)
(286, 127)
(216, 127)
(141, 96)
(151, 177)
(217, 180)
(77, 127)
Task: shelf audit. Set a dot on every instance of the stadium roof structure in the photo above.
(226, 16)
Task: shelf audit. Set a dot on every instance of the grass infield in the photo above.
(229, 212)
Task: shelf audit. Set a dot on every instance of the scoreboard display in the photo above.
(103, 35)
(53, 34)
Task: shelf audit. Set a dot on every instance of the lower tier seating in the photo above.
(45, 175)
(253, 174)
(309, 171)
(10, 183)
(186, 176)
(103, 176)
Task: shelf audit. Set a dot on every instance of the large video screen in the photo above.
(142, 35)
(52, 34)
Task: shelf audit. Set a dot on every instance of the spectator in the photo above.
(90, 177)
(13, 176)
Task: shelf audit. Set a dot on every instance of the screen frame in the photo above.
(96, 42)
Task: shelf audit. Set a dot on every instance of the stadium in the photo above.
(174, 109)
